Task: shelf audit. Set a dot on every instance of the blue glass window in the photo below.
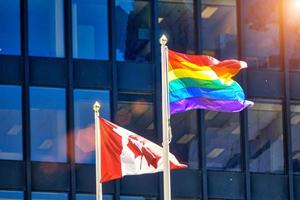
(11, 195)
(177, 22)
(48, 124)
(49, 196)
(91, 197)
(136, 198)
(222, 132)
(265, 136)
(260, 31)
(219, 27)
(135, 113)
(194, 198)
(185, 138)
(10, 27)
(90, 29)
(133, 23)
(46, 28)
(11, 123)
(84, 122)
(295, 128)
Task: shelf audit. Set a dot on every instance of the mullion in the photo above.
(288, 160)
(25, 99)
(69, 99)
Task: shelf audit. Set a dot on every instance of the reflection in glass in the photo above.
(46, 28)
(48, 124)
(11, 195)
(91, 197)
(222, 141)
(84, 122)
(185, 138)
(49, 196)
(136, 115)
(260, 29)
(136, 198)
(11, 123)
(133, 30)
(10, 27)
(90, 29)
(265, 136)
(219, 26)
(292, 33)
(295, 129)
(176, 21)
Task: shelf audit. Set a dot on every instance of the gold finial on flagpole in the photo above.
(163, 40)
(96, 106)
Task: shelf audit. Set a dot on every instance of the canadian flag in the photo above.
(126, 153)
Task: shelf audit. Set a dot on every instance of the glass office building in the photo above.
(57, 57)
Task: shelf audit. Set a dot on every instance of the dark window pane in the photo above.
(136, 114)
(46, 28)
(265, 136)
(48, 124)
(184, 144)
(84, 122)
(176, 21)
(193, 198)
(292, 33)
(220, 199)
(91, 197)
(260, 29)
(10, 27)
(222, 141)
(11, 195)
(49, 196)
(90, 29)
(295, 126)
(219, 29)
(11, 123)
(136, 198)
(133, 22)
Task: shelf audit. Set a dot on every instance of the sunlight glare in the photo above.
(296, 5)
(294, 9)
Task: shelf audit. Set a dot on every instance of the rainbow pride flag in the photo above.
(203, 82)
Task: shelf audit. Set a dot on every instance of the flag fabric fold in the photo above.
(203, 82)
(126, 153)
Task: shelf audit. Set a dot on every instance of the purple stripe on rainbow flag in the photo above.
(210, 104)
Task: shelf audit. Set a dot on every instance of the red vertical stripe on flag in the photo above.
(111, 149)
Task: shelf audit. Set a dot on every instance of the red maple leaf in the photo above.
(133, 146)
(137, 146)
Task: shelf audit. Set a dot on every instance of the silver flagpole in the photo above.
(165, 117)
(96, 108)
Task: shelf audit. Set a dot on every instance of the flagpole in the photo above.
(165, 117)
(96, 108)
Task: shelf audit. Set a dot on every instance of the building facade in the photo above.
(57, 57)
